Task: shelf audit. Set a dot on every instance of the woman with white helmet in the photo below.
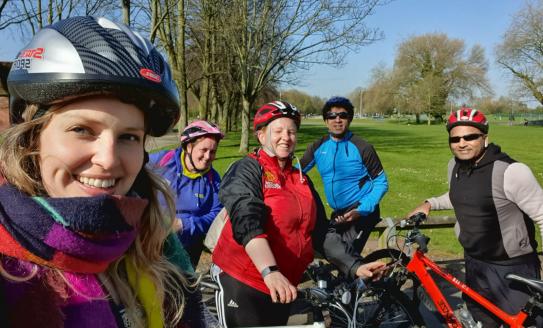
(194, 182)
(83, 241)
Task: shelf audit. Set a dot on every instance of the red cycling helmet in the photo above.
(468, 116)
(274, 110)
(200, 128)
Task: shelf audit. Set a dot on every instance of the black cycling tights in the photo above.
(239, 305)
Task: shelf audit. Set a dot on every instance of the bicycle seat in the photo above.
(532, 283)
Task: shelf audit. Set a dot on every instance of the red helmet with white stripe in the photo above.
(468, 116)
(274, 110)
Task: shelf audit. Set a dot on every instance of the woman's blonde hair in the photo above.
(19, 165)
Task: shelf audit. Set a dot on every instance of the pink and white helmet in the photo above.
(200, 128)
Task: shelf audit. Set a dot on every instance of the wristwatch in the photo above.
(268, 270)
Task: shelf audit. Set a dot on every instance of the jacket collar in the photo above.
(272, 161)
(346, 137)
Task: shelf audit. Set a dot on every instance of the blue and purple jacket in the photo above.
(196, 194)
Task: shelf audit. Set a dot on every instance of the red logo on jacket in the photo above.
(270, 180)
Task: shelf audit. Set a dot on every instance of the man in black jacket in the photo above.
(496, 201)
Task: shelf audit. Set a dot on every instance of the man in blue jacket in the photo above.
(352, 174)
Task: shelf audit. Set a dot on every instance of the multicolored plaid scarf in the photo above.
(79, 236)
(76, 234)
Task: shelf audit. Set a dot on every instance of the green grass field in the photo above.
(415, 159)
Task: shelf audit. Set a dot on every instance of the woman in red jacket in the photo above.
(276, 219)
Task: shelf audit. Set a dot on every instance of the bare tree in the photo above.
(168, 27)
(379, 95)
(125, 5)
(431, 69)
(521, 50)
(273, 39)
(234, 49)
(502, 105)
(226, 93)
(204, 35)
(2, 6)
(30, 15)
(306, 103)
(182, 66)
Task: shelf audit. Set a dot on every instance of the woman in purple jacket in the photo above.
(194, 183)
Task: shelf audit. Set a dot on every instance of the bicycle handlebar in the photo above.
(417, 219)
(422, 241)
(341, 293)
(314, 294)
(415, 236)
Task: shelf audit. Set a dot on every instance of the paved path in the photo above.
(166, 140)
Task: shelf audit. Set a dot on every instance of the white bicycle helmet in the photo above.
(87, 55)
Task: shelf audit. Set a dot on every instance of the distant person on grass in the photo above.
(496, 201)
(353, 177)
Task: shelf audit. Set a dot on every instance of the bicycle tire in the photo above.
(379, 308)
(386, 305)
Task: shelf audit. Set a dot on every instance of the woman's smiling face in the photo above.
(92, 146)
(279, 137)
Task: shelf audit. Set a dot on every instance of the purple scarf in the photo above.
(80, 236)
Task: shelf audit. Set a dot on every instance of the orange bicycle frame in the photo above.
(419, 265)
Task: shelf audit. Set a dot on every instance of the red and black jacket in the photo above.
(265, 201)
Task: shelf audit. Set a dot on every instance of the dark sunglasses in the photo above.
(467, 137)
(333, 115)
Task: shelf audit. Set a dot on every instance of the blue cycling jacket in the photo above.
(196, 195)
(350, 170)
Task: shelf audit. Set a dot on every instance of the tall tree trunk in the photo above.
(204, 99)
(214, 103)
(39, 15)
(126, 12)
(206, 60)
(235, 109)
(181, 77)
(182, 81)
(50, 12)
(245, 127)
(214, 92)
(223, 116)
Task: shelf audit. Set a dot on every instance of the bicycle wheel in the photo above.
(385, 308)
(384, 304)
(339, 317)
(377, 308)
